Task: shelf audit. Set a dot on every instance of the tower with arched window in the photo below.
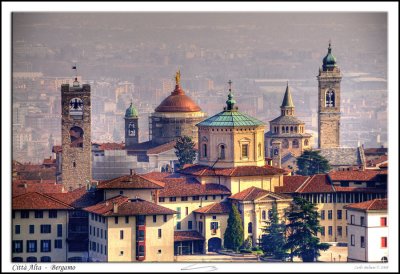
(329, 78)
(131, 126)
(76, 165)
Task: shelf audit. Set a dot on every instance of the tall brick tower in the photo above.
(76, 166)
(131, 126)
(329, 102)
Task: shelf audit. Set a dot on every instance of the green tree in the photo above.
(302, 229)
(184, 150)
(274, 240)
(233, 237)
(311, 162)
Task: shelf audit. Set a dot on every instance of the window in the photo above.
(140, 220)
(172, 199)
(17, 247)
(31, 246)
(383, 241)
(259, 150)
(190, 225)
(159, 251)
(352, 219)
(295, 143)
(183, 199)
(13, 214)
(339, 231)
(205, 150)
(31, 259)
(383, 221)
(101, 249)
(186, 211)
(330, 98)
(116, 220)
(245, 151)
(161, 199)
(52, 214)
(250, 227)
(59, 230)
(362, 220)
(17, 229)
(45, 229)
(31, 229)
(330, 230)
(322, 231)
(264, 215)
(57, 243)
(76, 135)
(39, 214)
(178, 225)
(214, 217)
(206, 198)
(98, 232)
(92, 216)
(101, 233)
(214, 197)
(25, 214)
(362, 241)
(178, 216)
(159, 233)
(195, 198)
(96, 217)
(45, 246)
(322, 214)
(45, 259)
(353, 240)
(165, 218)
(140, 235)
(121, 234)
(339, 214)
(329, 214)
(121, 192)
(346, 214)
(127, 219)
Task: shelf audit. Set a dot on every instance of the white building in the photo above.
(368, 231)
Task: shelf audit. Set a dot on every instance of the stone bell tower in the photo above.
(329, 78)
(76, 166)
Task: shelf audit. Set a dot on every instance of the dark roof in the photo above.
(134, 181)
(128, 207)
(356, 175)
(79, 198)
(342, 156)
(254, 193)
(291, 183)
(287, 98)
(287, 120)
(376, 204)
(375, 151)
(180, 236)
(215, 208)
(201, 170)
(37, 201)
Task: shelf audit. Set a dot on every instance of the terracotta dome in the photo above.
(178, 101)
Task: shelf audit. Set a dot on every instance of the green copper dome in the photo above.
(131, 111)
(329, 60)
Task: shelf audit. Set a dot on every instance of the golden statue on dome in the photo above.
(178, 77)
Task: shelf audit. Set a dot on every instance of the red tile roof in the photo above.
(201, 170)
(128, 207)
(49, 161)
(187, 186)
(79, 198)
(134, 181)
(111, 146)
(45, 186)
(254, 193)
(376, 204)
(291, 183)
(374, 162)
(215, 208)
(180, 236)
(37, 201)
(355, 175)
(318, 183)
(161, 148)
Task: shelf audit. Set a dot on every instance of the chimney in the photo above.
(25, 185)
(132, 171)
(115, 207)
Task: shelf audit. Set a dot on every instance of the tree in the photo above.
(248, 243)
(311, 162)
(233, 237)
(274, 240)
(302, 229)
(184, 150)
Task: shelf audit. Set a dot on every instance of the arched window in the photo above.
(287, 129)
(285, 143)
(45, 259)
(222, 151)
(291, 129)
(259, 150)
(31, 259)
(205, 150)
(295, 143)
(16, 259)
(330, 98)
(306, 142)
(76, 135)
(264, 215)
(131, 129)
(283, 129)
(250, 227)
(295, 129)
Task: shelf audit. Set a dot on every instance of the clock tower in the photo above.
(329, 78)
(131, 127)
(76, 166)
